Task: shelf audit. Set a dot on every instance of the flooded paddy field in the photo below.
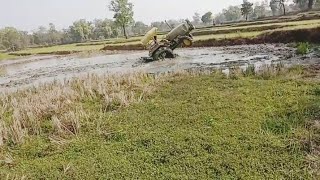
(15, 74)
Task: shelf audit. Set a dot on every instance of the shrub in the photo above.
(303, 48)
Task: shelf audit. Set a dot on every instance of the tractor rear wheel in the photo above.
(163, 53)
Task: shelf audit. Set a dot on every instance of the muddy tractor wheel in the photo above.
(187, 41)
(163, 53)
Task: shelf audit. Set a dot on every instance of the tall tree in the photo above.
(278, 5)
(310, 4)
(139, 28)
(207, 18)
(302, 4)
(81, 30)
(246, 8)
(233, 13)
(54, 35)
(282, 6)
(260, 10)
(274, 4)
(41, 36)
(219, 18)
(305, 4)
(14, 40)
(123, 13)
(162, 26)
(196, 18)
(102, 29)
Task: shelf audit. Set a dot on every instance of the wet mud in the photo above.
(15, 74)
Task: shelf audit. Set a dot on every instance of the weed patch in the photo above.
(303, 48)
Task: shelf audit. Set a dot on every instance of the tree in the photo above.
(274, 4)
(139, 28)
(162, 26)
(246, 8)
(14, 40)
(207, 18)
(196, 18)
(54, 35)
(123, 13)
(260, 10)
(282, 6)
(310, 4)
(305, 4)
(102, 29)
(233, 13)
(302, 4)
(219, 18)
(278, 4)
(81, 30)
(41, 36)
(173, 23)
(317, 4)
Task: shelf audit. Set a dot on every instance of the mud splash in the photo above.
(22, 73)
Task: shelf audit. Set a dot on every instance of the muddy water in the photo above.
(35, 70)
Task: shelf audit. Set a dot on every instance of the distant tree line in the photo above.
(123, 24)
(12, 39)
(249, 11)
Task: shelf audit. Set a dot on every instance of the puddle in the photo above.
(32, 71)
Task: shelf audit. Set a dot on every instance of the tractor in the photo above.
(178, 36)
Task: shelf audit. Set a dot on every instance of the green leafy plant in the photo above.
(303, 48)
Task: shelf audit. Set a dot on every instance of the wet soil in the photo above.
(32, 71)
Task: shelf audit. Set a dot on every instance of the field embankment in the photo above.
(288, 36)
(197, 125)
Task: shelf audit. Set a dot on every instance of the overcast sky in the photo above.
(30, 14)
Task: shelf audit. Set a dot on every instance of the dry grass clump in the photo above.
(57, 108)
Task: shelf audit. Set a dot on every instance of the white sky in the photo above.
(30, 14)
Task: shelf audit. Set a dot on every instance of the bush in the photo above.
(303, 48)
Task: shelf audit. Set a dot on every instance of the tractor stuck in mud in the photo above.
(178, 36)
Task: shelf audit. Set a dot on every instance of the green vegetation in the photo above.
(207, 126)
(6, 56)
(246, 9)
(207, 18)
(123, 14)
(303, 48)
(53, 49)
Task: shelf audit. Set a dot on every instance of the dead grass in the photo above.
(57, 109)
